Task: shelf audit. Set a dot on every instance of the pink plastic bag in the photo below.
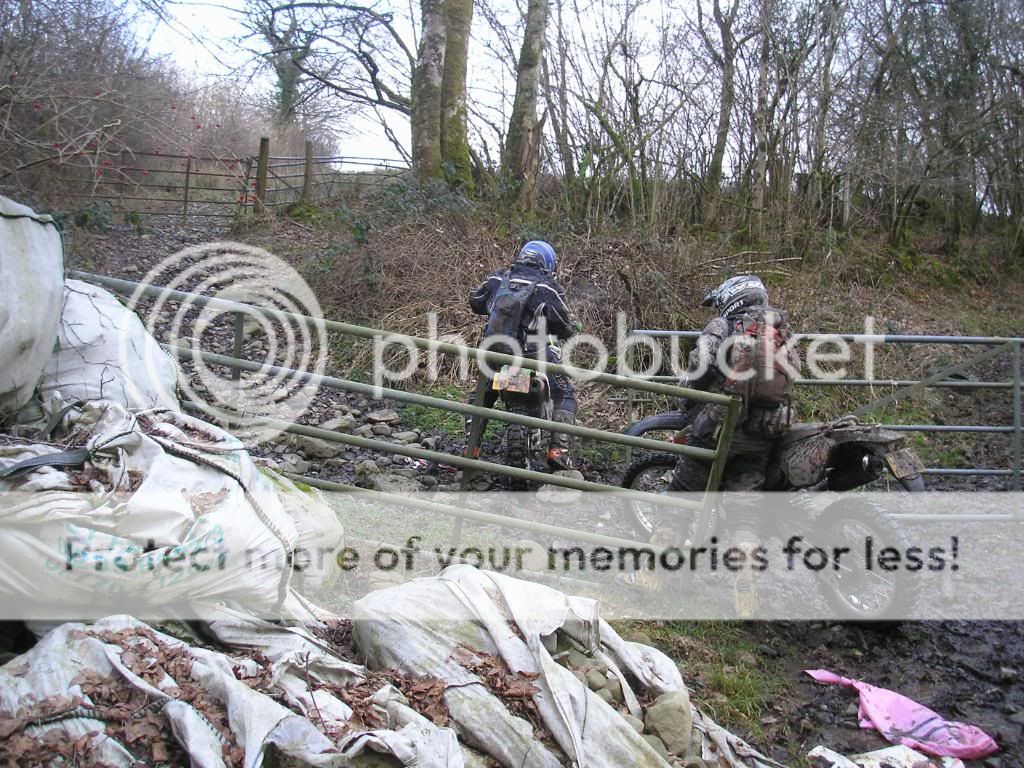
(904, 721)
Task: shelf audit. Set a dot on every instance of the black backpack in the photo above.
(506, 309)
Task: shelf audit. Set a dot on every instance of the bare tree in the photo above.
(520, 157)
(456, 161)
(829, 27)
(289, 45)
(723, 52)
(426, 92)
(761, 119)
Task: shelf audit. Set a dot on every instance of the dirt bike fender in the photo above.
(668, 421)
(804, 463)
(875, 439)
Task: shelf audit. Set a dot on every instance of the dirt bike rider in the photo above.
(742, 304)
(738, 299)
(545, 311)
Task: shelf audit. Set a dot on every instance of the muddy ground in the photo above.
(967, 671)
(970, 671)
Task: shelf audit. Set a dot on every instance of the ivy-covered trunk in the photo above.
(425, 121)
(724, 56)
(455, 159)
(757, 185)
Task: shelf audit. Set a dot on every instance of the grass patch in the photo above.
(389, 524)
(727, 675)
(436, 420)
(598, 452)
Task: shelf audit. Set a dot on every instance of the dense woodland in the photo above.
(759, 118)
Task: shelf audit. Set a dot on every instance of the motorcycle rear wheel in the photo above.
(517, 451)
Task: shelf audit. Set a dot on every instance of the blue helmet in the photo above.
(539, 255)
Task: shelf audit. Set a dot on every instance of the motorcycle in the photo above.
(528, 393)
(837, 456)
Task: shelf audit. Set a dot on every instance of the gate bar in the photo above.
(859, 338)
(962, 471)
(873, 383)
(369, 390)
(1016, 416)
(986, 428)
(938, 376)
(452, 460)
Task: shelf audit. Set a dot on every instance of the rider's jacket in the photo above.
(547, 302)
(702, 369)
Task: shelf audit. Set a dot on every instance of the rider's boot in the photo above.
(745, 522)
(744, 594)
(558, 443)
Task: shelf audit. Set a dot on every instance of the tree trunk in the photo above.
(290, 47)
(726, 60)
(455, 158)
(518, 163)
(559, 111)
(829, 41)
(425, 121)
(713, 181)
(757, 196)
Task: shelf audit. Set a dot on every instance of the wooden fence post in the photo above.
(188, 176)
(307, 175)
(122, 187)
(846, 201)
(245, 191)
(261, 175)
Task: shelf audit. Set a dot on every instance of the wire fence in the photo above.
(145, 184)
(295, 180)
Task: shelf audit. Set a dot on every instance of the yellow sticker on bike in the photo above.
(511, 380)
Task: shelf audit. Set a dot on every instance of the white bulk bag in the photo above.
(31, 285)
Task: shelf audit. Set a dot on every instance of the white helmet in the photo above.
(737, 293)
